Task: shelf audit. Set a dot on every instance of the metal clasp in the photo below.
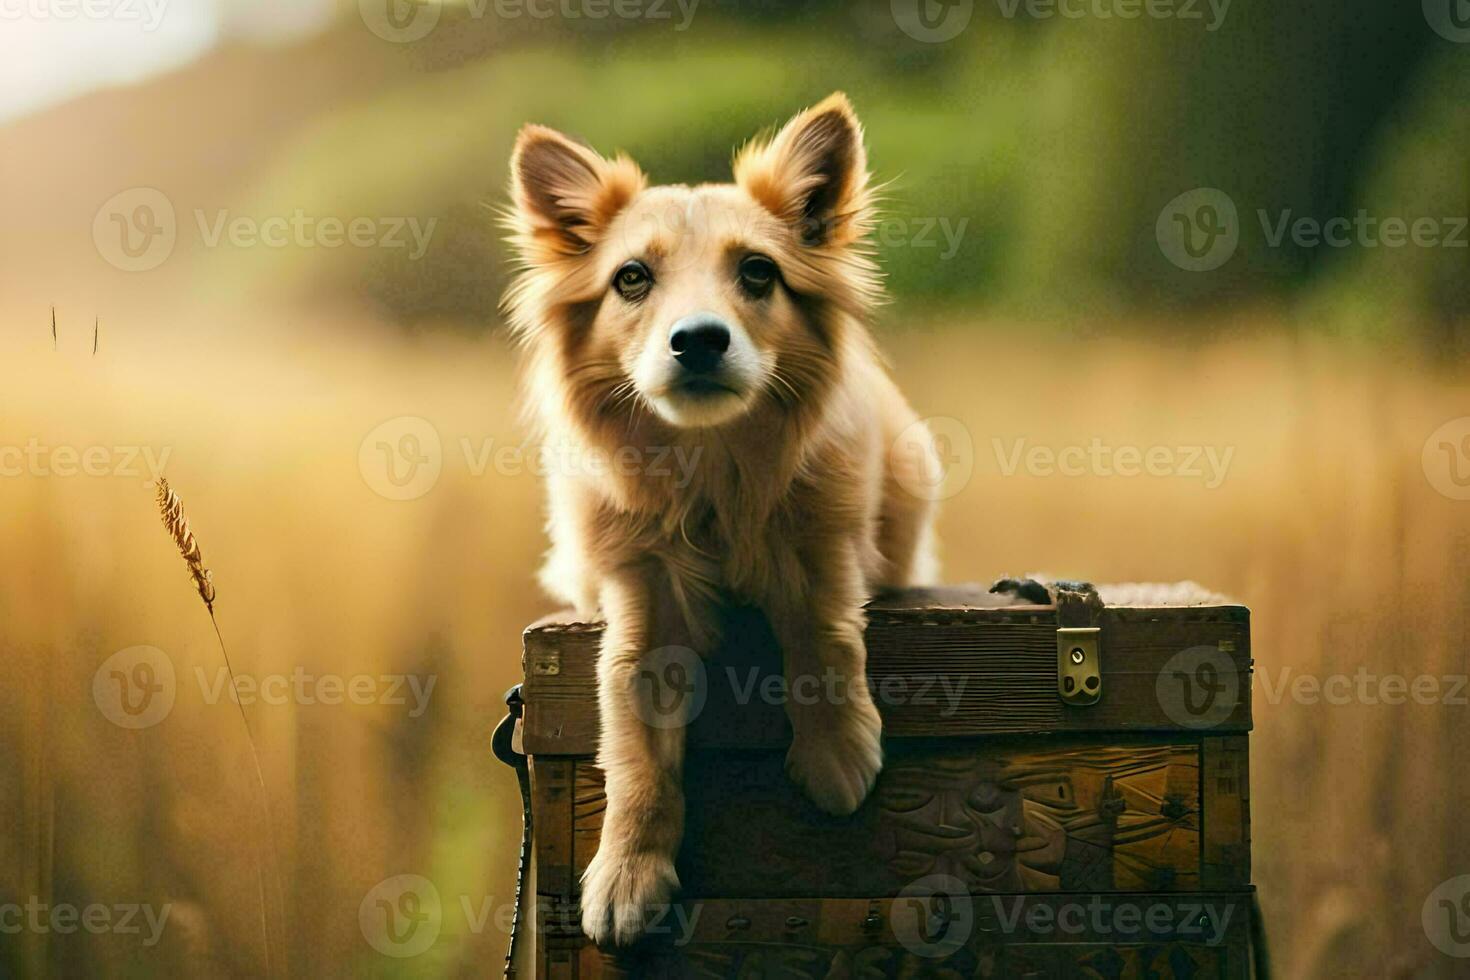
(1079, 664)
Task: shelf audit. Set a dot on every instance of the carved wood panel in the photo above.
(1160, 961)
(1111, 815)
(837, 938)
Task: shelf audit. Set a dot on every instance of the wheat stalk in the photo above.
(177, 525)
(171, 509)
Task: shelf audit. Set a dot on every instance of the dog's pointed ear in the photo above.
(565, 194)
(813, 173)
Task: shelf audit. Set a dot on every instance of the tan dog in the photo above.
(723, 324)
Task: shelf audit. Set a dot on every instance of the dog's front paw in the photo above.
(836, 760)
(621, 893)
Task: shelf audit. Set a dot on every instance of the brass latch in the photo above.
(1079, 664)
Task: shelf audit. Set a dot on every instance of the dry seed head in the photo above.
(171, 508)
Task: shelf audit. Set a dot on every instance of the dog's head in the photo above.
(699, 304)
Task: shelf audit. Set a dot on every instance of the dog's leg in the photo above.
(906, 527)
(836, 750)
(643, 671)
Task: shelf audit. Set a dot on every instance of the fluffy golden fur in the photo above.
(802, 448)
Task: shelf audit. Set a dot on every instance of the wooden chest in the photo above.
(1058, 800)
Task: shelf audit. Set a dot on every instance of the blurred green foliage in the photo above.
(1029, 158)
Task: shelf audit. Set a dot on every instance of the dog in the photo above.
(725, 323)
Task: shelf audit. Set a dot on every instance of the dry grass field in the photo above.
(1320, 516)
(292, 390)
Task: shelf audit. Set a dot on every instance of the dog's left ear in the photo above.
(813, 174)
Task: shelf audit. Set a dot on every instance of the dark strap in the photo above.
(1260, 954)
(502, 743)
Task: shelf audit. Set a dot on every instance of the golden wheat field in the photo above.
(1320, 512)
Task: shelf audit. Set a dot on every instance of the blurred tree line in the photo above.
(1030, 156)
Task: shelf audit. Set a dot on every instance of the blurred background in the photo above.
(1229, 238)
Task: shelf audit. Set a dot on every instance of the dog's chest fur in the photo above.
(740, 523)
(731, 530)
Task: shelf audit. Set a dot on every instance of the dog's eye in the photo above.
(757, 275)
(632, 280)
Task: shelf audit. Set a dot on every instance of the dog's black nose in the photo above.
(698, 343)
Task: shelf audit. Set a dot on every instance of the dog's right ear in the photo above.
(565, 194)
